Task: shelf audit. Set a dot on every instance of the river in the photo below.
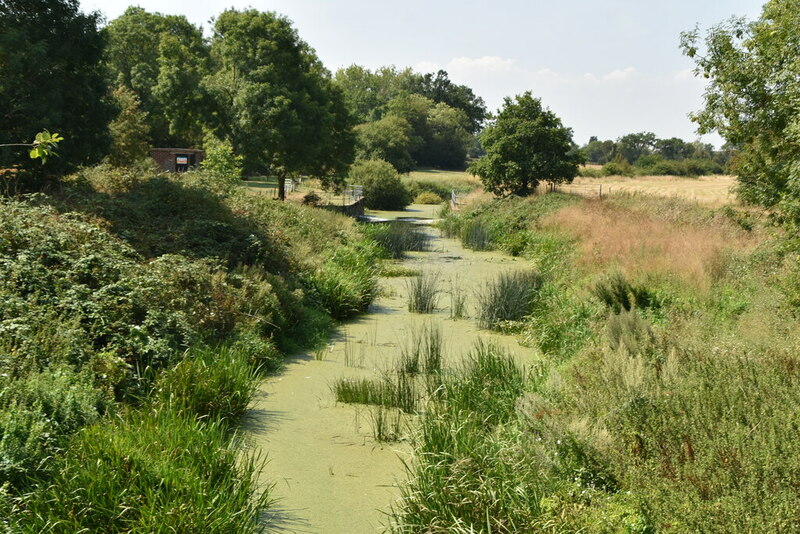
(329, 474)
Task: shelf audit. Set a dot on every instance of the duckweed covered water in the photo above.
(328, 471)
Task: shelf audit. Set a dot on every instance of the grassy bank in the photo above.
(137, 313)
(667, 397)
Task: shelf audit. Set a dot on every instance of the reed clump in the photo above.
(423, 293)
(397, 237)
(509, 297)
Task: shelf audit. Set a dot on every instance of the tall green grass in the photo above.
(397, 238)
(423, 293)
(210, 382)
(663, 406)
(155, 470)
(423, 350)
(509, 297)
(465, 477)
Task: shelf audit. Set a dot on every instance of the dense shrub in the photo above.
(616, 292)
(427, 197)
(441, 190)
(109, 291)
(38, 413)
(619, 166)
(383, 188)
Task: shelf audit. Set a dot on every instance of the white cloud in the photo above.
(426, 66)
(481, 65)
(620, 74)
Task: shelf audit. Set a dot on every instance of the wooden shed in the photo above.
(177, 159)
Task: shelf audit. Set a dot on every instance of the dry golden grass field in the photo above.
(707, 190)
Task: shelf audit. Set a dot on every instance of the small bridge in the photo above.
(355, 210)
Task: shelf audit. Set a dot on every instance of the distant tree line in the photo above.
(644, 153)
(411, 119)
(254, 91)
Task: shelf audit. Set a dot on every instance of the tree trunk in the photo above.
(281, 188)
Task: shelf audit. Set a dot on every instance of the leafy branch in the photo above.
(43, 145)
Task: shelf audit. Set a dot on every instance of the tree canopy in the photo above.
(753, 100)
(275, 100)
(443, 116)
(51, 77)
(162, 59)
(527, 144)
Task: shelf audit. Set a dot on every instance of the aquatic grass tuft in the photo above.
(423, 293)
(397, 238)
(476, 235)
(509, 297)
(423, 350)
(458, 300)
(359, 391)
(393, 390)
(387, 424)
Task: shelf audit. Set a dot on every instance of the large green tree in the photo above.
(388, 139)
(367, 93)
(527, 144)
(51, 77)
(439, 88)
(163, 59)
(128, 130)
(275, 101)
(634, 146)
(448, 138)
(753, 100)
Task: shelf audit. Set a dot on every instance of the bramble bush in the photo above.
(161, 298)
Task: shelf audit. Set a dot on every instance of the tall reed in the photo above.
(423, 293)
(509, 297)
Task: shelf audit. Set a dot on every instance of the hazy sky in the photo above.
(606, 67)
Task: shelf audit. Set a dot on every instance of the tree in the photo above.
(128, 130)
(634, 146)
(388, 139)
(439, 88)
(673, 148)
(414, 108)
(439, 133)
(448, 138)
(51, 77)
(597, 151)
(753, 100)
(367, 93)
(275, 101)
(162, 59)
(526, 145)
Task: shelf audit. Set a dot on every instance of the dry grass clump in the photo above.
(652, 241)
